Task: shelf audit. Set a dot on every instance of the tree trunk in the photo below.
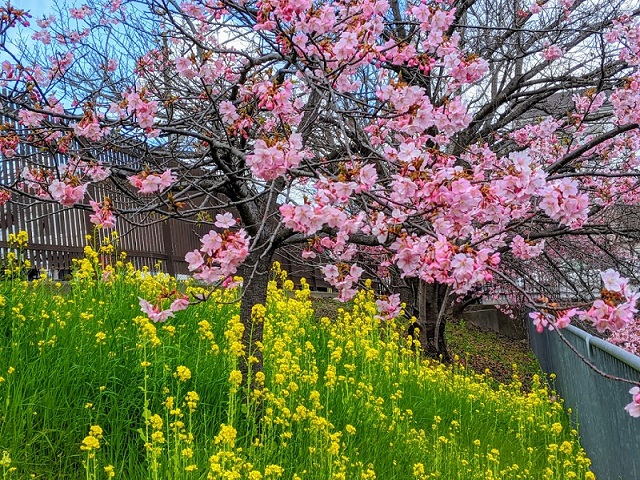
(429, 299)
(255, 273)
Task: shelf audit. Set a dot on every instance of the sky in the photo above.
(36, 7)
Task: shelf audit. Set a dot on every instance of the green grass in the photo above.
(342, 398)
(487, 351)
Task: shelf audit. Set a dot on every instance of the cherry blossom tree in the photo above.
(460, 142)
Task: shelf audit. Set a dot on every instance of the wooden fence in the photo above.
(57, 235)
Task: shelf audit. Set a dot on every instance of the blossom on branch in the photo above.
(147, 182)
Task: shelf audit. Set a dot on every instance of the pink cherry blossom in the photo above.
(219, 257)
(147, 182)
(539, 320)
(46, 22)
(211, 242)
(89, 127)
(344, 278)
(29, 118)
(552, 52)
(633, 408)
(96, 171)
(389, 307)
(225, 220)
(183, 67)
(524, 249)
(194, 259)
(42, 36)
(613, 312)
(180, 303)
(612, 280)
(154, 312)
(112, 65)
(269, 162)
(66, 194)
(102, 216)
(228, 112)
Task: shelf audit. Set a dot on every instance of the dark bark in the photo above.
(255, 272)
(427, 306)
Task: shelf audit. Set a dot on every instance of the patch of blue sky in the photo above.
(37, 8)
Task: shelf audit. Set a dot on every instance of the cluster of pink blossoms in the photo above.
(389, 307)
(145, 110)
(69, 186)
(89, 127)
(66, 193)
(552, 52)
(156, 313)
(81, 13)
(30, 119)
(634, 407)
(271, 161)
(615, 310)
(147, 182)
(102, 216)
(563, 201)
(218, 259)
(344, 278)
(525, 249)
(9, 144)
(617, 307)
(221, 253)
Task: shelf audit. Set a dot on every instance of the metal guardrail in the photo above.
(610, 436)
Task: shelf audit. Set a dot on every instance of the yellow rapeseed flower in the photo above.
(227, 436)
(182, 373)
(275, 470)
(169, 403)
(192, 399)
(258, 313)
(18, 240)
(157, 437)
(90, 443)
(235, 378)
(156, 421)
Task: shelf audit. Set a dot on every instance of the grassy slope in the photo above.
(340, 398)
(477, 348)
(483, 350)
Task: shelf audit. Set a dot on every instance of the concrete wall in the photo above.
(489, 317)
